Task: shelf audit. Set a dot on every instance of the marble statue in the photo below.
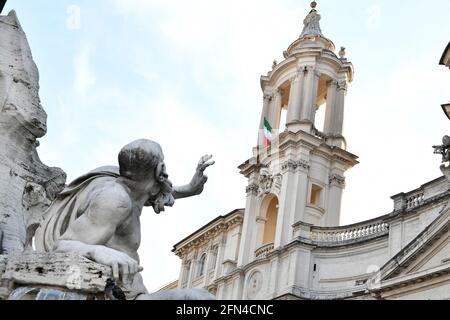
(311, 23)
(98, 215)
(444, 150)
(27, 186)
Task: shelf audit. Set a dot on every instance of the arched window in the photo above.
(271, 221)
(201, 265)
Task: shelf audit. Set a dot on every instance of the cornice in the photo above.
(199, 238)
(386, 277)
(323, 56)
(403, 283)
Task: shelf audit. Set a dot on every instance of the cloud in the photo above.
(188, 79)
(69, 134)
(391, 123)
(73, 21)
(214, 39)
(373, 17)
(84, 78)
(185, 136)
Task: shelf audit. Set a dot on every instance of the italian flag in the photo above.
(267, 133)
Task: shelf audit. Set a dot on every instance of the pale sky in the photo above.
(186, 74)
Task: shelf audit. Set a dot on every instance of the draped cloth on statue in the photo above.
(70, 204)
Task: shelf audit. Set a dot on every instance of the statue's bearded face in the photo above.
(161, 189)
(163, 197)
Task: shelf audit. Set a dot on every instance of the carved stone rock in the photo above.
(22, 121)
(61, 271)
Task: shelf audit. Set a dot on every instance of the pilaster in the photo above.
(220, 254)
(292, 199)
(206, 266)
(248, 239)
(182, 274)
(336, 188)
(192, 271)
(340, 100)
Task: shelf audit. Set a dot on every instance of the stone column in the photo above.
(275, 109)
(336, 188)
(309, 98)
(314, 88)
(268, 97)
(340, 100)
(334, 117)
(295, 100)
(306, 85)
(248, 239)
(330, 117)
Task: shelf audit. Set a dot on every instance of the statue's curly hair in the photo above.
(142, 159)
(139, 159)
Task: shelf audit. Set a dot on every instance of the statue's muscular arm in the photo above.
(195, 187)
(89, 234)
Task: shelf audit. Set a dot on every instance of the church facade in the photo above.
(287, 243)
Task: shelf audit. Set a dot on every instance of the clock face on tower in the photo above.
(254, 284)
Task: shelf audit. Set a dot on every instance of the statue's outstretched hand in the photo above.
(195, 187)
(199, 179)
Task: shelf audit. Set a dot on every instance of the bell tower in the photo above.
(296, 174)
